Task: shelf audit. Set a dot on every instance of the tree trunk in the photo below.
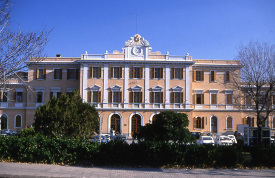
(260, 135)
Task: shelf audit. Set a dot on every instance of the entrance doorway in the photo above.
(214, 124)
(115, 123)
(136, 123)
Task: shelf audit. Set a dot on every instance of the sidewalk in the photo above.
(44, 170)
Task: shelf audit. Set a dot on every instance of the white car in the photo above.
(233, 139)
(223, 140)
(205, 140)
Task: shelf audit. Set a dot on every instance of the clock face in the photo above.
(136, 50)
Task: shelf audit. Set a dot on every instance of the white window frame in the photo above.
(15, 121)
(213, 91)
(226, 127)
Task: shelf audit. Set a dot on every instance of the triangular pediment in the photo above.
(177, 89)
(157, 88)
(136, 88)
(95, 88)
(115, 88)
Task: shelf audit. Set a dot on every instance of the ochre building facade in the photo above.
(130, 87)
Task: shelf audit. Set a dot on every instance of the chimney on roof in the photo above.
(58, 55)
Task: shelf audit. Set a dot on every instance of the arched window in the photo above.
(4, 121)
(136, 123)
(229, 123)
(115, 123)
(18, 121)
(154, 118)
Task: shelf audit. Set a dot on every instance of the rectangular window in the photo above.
(19, 97)
(213, 76)
(40, 74)
(55, 94)
(176, 97)
(199, 98)
(116, 72)
(72, 74)
(213, 98)
(39, 97)
(198, 123)
(95, 72)
(248, 100)
(135, 97)
(58, 74)
(198, 75)
(158, 72)
(4, 96)
(156, 97)
(177, 73)
(229, 98)
(136, 72)
(94, 96)
(227, 76)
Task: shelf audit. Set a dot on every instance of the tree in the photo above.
(66, 115)
(16, 47)
(257, 81)
(167, 126)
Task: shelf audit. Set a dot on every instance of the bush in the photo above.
(56, 150)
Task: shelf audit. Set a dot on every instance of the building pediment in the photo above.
(156, 89)
(115, 88)
(95, 88)
(177, 89)
(136, 88)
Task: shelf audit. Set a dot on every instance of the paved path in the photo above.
(43, 170)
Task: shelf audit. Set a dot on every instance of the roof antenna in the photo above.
(136, 23)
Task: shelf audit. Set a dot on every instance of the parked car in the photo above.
(102, 140)
(108, 137)
(233, 139)
(120, 138)
(205, 140)
(196, 134)
(223, 140)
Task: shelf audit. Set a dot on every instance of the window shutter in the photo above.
(99, 96)
(173, 73)
(181, 73)
(112, 72)
(161, 72)
(195, 98)
(140, 97)
(244, 121)
(120, 97)
(99, 72)
(151, 97)
(181, 97)
(202, 122)
(131, 97)
(202, 75)
(172, 99)
(161, 97)
(132, 72)
(15, 96)
(202, 99)
(120, 72)
(141, 72)
(54, 73)
(90, 72)
(194, 123)
(194, 75)
(89, 97)
(230, 76)
(44, 73)
(110, 97)
(215, 77)
(77, 74)
(152, 72)
(68, 73)
(60, 73)
(35, 74)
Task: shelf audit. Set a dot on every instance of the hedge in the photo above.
(43, 149)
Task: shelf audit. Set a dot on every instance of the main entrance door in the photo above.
(115, 123)
(214, 124)
(136, 123)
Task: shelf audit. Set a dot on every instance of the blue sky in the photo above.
(206, 29)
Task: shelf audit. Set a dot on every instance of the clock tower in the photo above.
(137, 48)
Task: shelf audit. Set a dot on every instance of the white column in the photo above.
(126, 85)
(167, 85)
(146, 85)
(187, 87)
(84, 82)
(105, 85)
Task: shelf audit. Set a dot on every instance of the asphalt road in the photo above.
(44, 170)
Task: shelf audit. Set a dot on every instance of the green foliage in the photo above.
(168, 126)
(27, 132)
(66, 115)
(57, 150)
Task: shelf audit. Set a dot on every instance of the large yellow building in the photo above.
(128, 88)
